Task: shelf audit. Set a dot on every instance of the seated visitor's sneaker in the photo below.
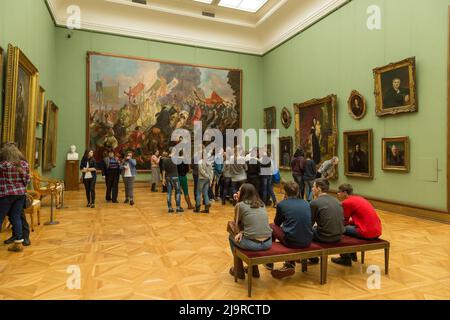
(286, 271)
(343, 261)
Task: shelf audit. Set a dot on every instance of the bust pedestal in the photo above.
(72, 180)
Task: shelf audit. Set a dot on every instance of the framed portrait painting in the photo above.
(286, 147)
(286, 118)
(19, 116)
(136, 103)
(50, 136)
(316, 128)
(40, 106)
(358, 152)
(356, 105)
(395, 88)
(396, 154)
(270, 118)
(38, 153)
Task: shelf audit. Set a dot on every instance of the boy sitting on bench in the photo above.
(292, 226)
(361, 221)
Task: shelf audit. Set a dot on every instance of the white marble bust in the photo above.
(72, 155)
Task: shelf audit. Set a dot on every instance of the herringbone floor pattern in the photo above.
(141, 252)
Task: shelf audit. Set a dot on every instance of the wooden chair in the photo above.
(35, 209)
(43, 187)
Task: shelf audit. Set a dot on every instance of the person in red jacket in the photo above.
(361, 220)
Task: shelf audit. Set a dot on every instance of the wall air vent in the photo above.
(140, 1)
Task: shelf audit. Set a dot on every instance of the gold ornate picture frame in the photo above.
(19, 124)
(50, 136)
(286, 152)
(316, 128)
(358, 153)
(396, 154)
(286, 118)
(357, 107)
(40, 106)
(395, 88)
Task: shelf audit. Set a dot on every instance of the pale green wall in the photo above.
(28, 25)
(71, 77)
(338, 54)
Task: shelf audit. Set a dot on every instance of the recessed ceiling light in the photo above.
(244, 5)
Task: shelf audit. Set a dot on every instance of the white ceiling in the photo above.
(182, 22)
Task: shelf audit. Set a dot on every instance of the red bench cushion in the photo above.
(278, 249)
(347, 241)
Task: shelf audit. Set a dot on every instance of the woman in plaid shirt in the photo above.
(14, 178)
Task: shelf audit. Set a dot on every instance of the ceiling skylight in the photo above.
(244, 5)
(205, 1)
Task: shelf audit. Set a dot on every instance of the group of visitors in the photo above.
(304, 171)
(112, 168)
(216, 178)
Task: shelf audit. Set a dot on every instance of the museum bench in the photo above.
(280, 253)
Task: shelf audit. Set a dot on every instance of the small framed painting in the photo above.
(396, 154)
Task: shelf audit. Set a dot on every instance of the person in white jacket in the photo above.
(205, 178)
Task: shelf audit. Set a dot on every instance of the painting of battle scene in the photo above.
(136, 104)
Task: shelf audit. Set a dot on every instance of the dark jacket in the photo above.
(298, 166)
(92, 164)
(310, 171)
(106, 170)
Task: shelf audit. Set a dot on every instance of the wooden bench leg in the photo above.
(363, 255)
(386, 260)
(304, 265)
(250, 278)
(235, 266)
(323, 269)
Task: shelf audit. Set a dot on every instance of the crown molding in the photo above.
(260, 47)
(175, 39)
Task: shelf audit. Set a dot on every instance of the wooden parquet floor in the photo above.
(141, 252)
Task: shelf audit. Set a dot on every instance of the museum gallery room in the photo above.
(225, 150)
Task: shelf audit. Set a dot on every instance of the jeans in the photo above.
(203, 187)
(25, 227)
(351, 231)
(129, 187)
(89, 185)
(247, 244)
(255, 181)
(226, 188)
(267, 189)
(309, 192)
(218, 180)
(173, 184)
(299, 180)
(195, 178)
(112, 186)
(13, 207)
